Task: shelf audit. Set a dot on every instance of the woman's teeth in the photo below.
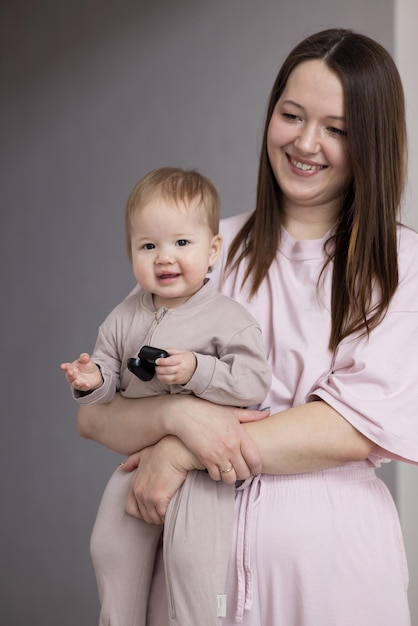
(305, 167)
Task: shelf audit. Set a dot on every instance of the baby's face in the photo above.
(172, 248)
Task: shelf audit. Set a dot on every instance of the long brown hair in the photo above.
(363, 247)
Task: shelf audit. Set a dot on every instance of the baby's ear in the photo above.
(215, 250)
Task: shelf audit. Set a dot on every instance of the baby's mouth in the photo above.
(167, 275)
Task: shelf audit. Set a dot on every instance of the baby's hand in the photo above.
(176, 369)
(83, 374)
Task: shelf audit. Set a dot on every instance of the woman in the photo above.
(333, 281)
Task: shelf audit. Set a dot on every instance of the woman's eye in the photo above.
(291, 116)
(181, 242)
(337, 131)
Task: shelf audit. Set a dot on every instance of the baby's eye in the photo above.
(148, 246)
(182, 242)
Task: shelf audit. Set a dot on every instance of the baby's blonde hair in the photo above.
(188, 187)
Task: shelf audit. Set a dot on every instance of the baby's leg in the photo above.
(123, 550)
(157, 601)
(197, 540)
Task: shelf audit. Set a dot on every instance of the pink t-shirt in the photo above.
(372, 382)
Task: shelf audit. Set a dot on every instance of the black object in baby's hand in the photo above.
(143, 365)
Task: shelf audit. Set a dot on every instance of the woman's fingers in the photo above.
(216, 436)
(161, 471)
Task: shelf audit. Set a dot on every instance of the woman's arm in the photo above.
(302, 439)
(307, 438)
(124, 425)
(212, 432)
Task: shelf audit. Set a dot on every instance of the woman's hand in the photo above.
(160, 471)
(215, 435)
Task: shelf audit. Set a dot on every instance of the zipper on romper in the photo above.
(159, 316)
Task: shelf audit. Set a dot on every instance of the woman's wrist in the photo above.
(181, 455)
(173, 414)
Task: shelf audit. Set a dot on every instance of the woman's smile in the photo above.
(304, 166)
(306, 144)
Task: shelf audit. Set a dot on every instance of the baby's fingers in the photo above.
(70, 374)
(84, 358)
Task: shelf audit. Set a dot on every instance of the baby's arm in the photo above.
(176, 369)
(83, 374)
(239, 375)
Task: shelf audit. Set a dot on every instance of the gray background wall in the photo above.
(94, 93)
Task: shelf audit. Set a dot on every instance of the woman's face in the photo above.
(306, 142)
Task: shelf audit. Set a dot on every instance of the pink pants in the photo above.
(197, 539)
(319, 549)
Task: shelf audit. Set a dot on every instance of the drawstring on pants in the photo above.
(247, 495)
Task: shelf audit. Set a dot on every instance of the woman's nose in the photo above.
(308, 139)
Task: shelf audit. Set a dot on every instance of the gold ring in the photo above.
(227, 470)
